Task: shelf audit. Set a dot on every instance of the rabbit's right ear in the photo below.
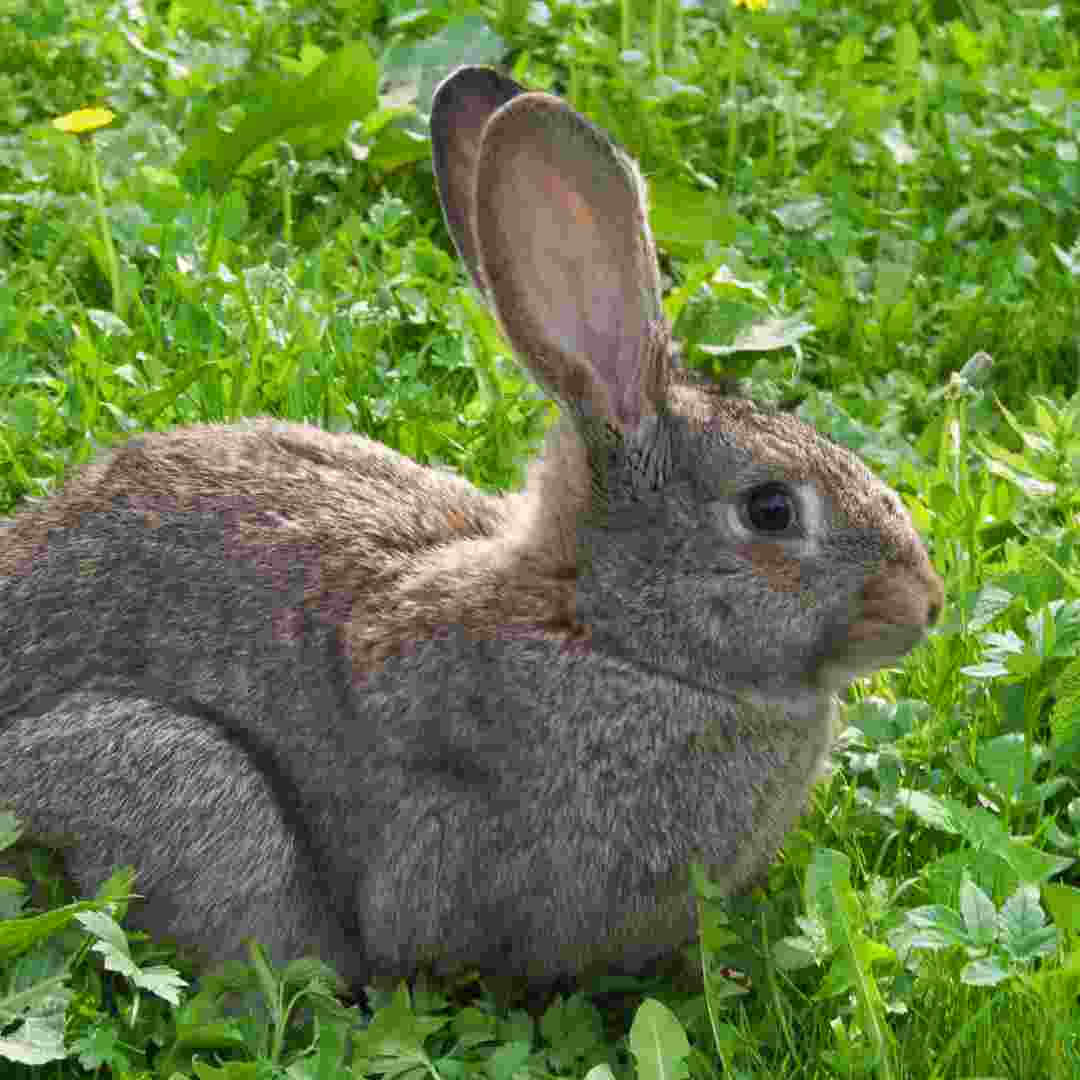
(460, 108)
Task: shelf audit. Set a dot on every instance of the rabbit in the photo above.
(323, 696)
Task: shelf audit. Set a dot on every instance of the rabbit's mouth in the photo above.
(877, 644)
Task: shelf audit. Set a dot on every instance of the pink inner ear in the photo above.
(559, 226)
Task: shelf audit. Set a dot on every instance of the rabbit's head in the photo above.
(726, 545)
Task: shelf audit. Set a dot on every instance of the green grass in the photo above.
(886, 192)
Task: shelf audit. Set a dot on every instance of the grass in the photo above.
(867, 209)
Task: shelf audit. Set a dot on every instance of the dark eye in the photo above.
(771, 508)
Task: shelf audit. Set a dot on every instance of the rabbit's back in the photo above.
(346, 500)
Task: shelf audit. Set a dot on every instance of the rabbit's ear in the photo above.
(460, 108)
(564, 247)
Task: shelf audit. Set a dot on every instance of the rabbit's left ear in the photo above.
(460, 108)
(565, 252)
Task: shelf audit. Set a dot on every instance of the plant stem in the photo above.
(112, 264)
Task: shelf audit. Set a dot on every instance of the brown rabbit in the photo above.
(326, 697)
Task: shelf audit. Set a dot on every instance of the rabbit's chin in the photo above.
(879, 644)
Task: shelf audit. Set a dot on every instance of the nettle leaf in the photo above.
(991, 601)
(1065, 717)
(572, 1027)
(1031, 864)
(39, 1038)
(658, 1042)
(986, 971)
(980, 915)
(1024, 933)
(801, 215)
(935, 927)
(811, 947)
(930, 810)
(1066, 628)
(108, 323)
(1003, 645)
(1004, 761)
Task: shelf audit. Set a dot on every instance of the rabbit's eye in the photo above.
(771, 508)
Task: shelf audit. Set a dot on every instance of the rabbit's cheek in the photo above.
(781, 571)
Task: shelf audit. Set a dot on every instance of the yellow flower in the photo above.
(753, 5)
(81, 121)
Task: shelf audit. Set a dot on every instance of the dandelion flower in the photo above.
(82, 121)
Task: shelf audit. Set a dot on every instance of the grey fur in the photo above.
(325, 697)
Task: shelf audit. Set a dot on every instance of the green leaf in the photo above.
(987, 971)
(803, 214)
(850, 51)
(1030, 864)
(1063, 902)
(164, 982)
(829, 896)
(686, 220)
(414, 68)
(600, 1072)
(659, 1043)
(18, 935)
(340, 90)
(394, 1040)
(507, 1060)
(112, 942)
(113, 945)
(1024, 933)
(980, 915)
(1003, 760)
(100, 1045)
(572, 1027)
(906, 49)
(234, 1070)
(117, 887)
(991, 601)
(10, 830)
(39, 1037)
(935, 927)
(967, 44)
(928, 809)
(766, 335)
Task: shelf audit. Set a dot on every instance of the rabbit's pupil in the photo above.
(771, 509)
